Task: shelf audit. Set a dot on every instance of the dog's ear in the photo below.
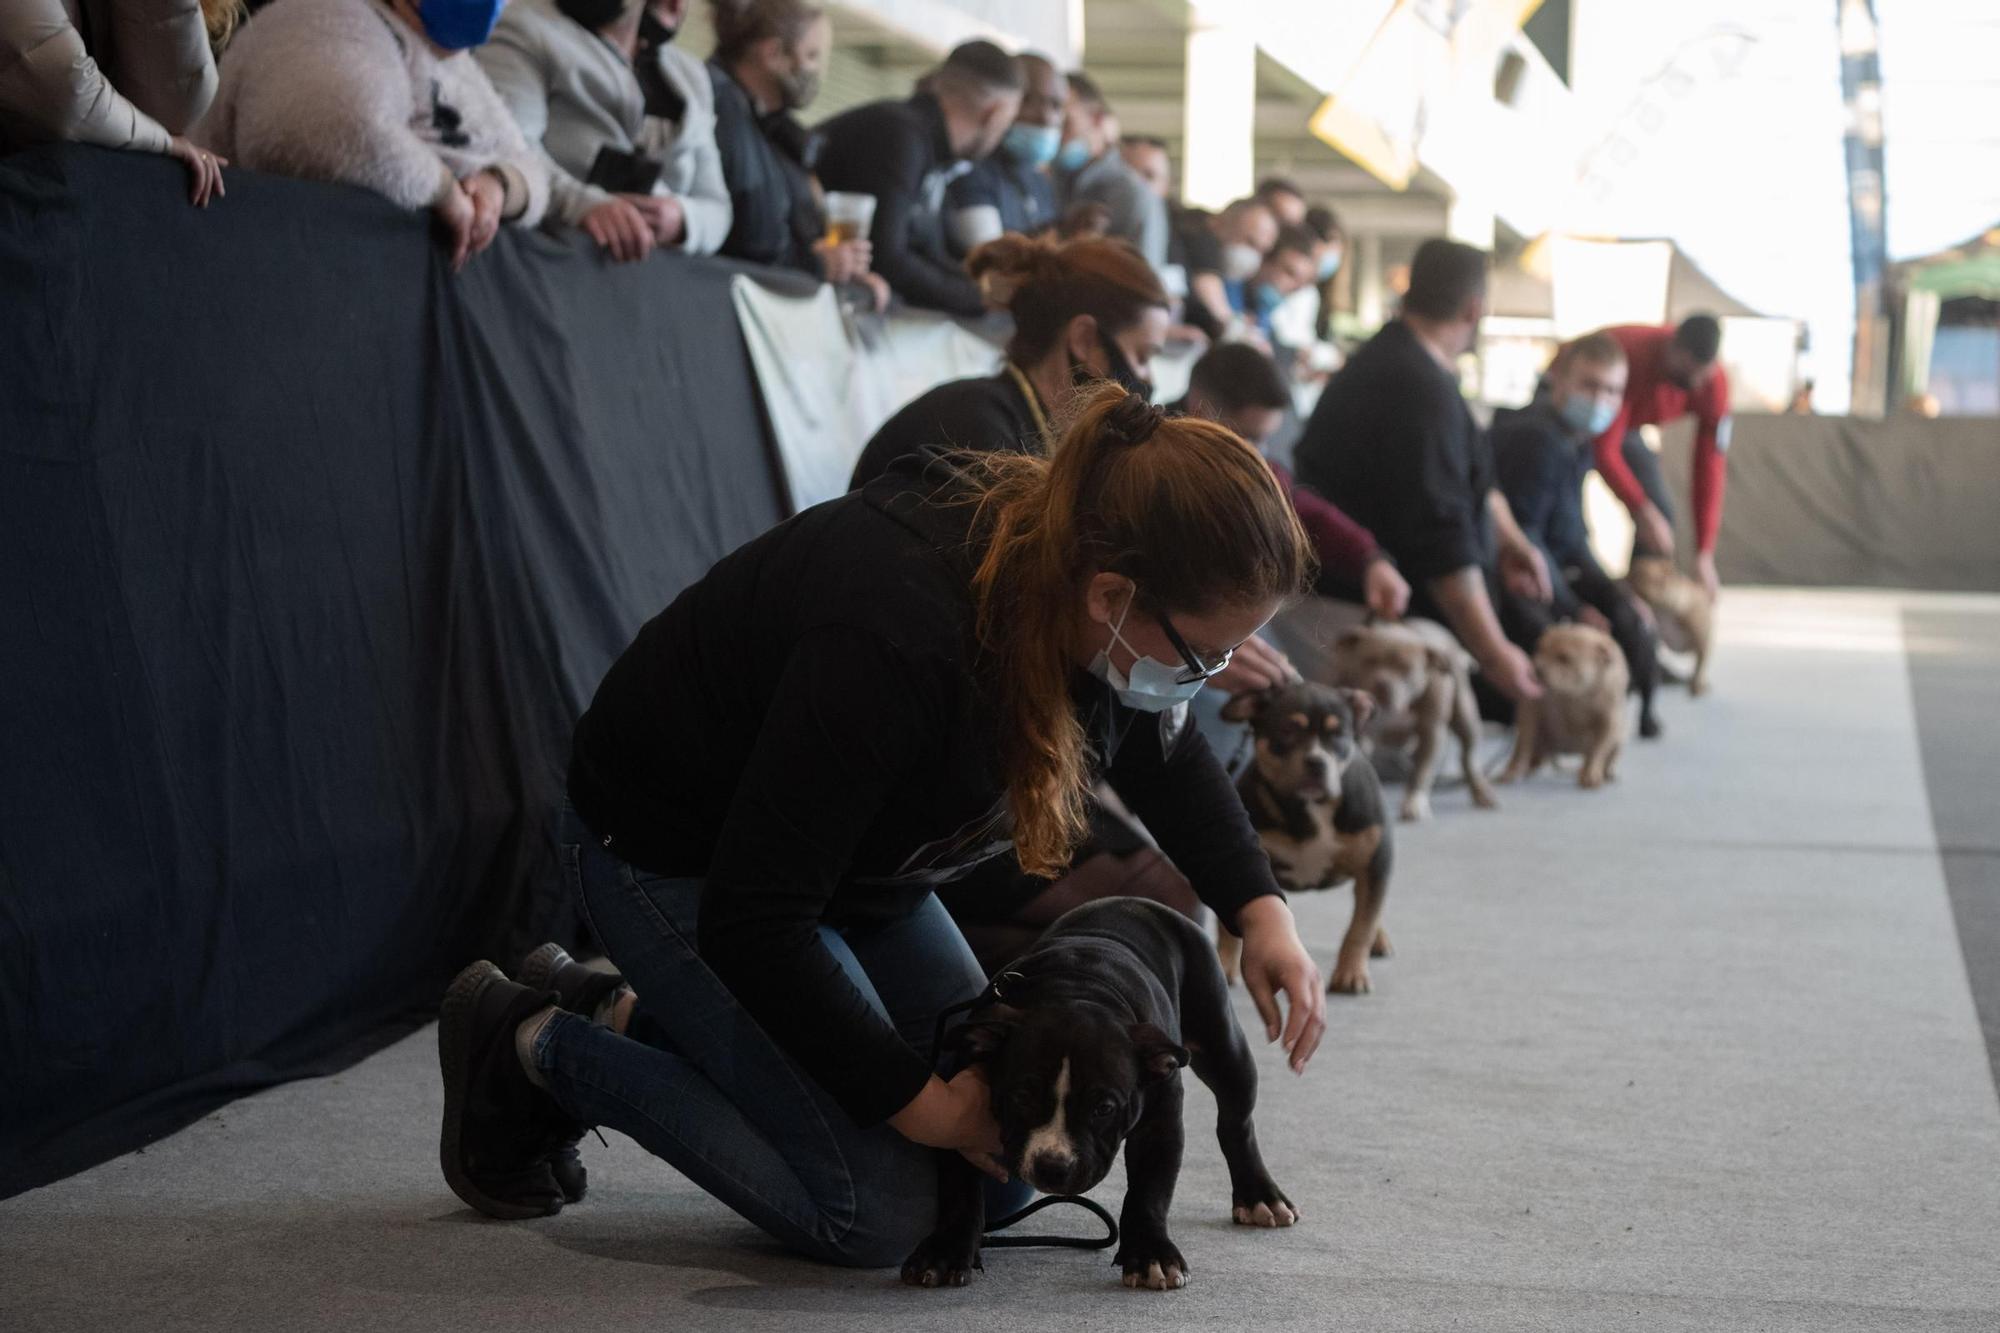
(1159, 1055)
(1350, 636)
(1363, 704)
(983, 1036)
(1245, 706)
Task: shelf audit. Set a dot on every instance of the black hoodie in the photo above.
(807, 730)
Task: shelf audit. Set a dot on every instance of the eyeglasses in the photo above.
(1196, 668)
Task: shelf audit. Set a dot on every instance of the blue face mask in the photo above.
(459, 25)
(1329, 264)
(1074, 155)
(1152, 687)
(1265, 298)
(1032, 145)
(1590, 416)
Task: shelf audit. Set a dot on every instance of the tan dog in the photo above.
(1582, 708)
(1686, 617)
(1421, 682)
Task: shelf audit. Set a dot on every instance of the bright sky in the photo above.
(1747, 171)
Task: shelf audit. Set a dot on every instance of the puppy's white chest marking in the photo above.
(1309, 863)
(1053, 1138)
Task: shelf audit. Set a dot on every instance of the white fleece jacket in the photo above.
(343, 90)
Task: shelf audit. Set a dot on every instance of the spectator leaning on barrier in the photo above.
(1090, 171)
(1084, 311)
(1148, 158)
(1541, 455)
(1220, 249)
(1240, 387)
(139, 82)
(1011, 190)
(387, 96)
(1284, 198)
(770, 56)
(1673, 374)
(1393, 443)
(625, 122)
(905, 154)
(1288, 268)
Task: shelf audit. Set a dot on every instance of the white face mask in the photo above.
(1239, 261)
(1152, 687)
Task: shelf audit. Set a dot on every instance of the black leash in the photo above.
(995, 991)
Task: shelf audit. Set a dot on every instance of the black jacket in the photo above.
(1394, 445)
(777, 217)
(899, 153)
(986, 413)
(1024, 196)
(809, 730)
(1541, 465)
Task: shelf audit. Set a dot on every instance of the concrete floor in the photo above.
(1695, 1052)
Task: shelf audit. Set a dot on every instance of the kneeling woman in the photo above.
(854, 708)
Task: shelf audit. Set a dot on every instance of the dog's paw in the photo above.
(942, 1261)
(1152, 1264)
(1271, 1211)
(1590, 779)
(1350, 978)
(1698, 687)
(1416, 807)
(1380, 947)
(1484, 798)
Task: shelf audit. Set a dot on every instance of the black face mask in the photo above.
(652, 32)
(592, 14)
(1122, 373)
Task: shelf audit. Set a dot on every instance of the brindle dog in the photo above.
(1316, 804)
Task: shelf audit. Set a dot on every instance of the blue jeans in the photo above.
(713, 1096)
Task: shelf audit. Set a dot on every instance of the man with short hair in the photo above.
(1011, 190)
(1289, 267)
(1242, 388)
(1674, 373)
(1218, 249)
(1091, 171)
(1393, 443)
(1541, 456)
(1148, 156)
(1284, 198)
(905, 154)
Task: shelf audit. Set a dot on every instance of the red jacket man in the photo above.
(1673, 374)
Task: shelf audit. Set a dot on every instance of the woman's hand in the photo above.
(620, 230)
(489, 197)
(205, 168)
(1274, 962)
(957, 1115)
(664, 214)
(455, 215)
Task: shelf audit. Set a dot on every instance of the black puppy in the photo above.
(1083, 1048)
(1316, 804)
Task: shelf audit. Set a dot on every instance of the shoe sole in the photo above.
(454, 1046)
(539, 968)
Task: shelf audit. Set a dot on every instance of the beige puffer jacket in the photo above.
(144, 75)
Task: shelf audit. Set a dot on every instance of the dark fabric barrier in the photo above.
(1843, 502)
(310, 553)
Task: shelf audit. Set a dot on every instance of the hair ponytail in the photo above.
(1182, 506)
(1044, 284)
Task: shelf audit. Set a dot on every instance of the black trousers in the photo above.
(1586, 584)
(1645, 465)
